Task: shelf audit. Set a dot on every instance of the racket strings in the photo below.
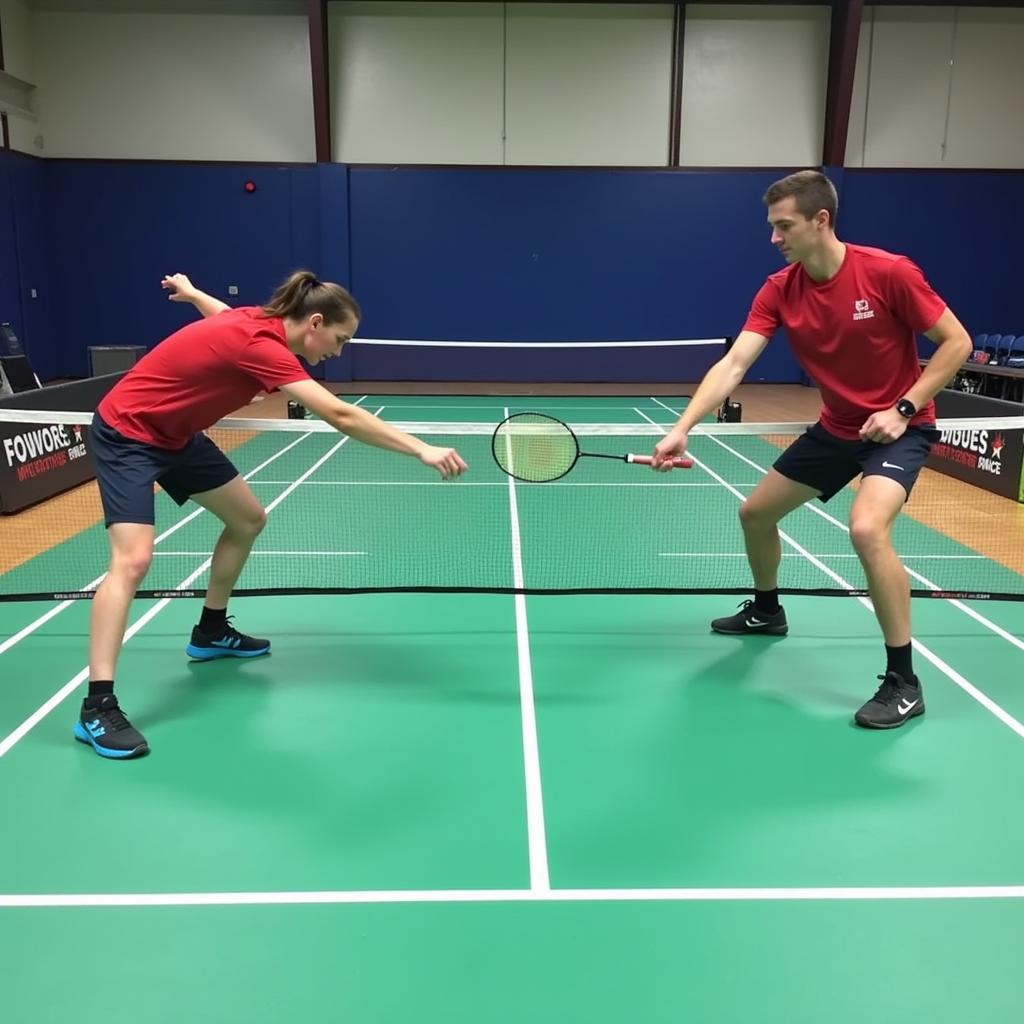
(534, 448)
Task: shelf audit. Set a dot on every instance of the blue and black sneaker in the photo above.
(229, 644)
(102, 724)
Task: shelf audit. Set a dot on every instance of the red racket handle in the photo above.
(645, 460)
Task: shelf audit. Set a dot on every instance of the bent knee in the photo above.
(252, 522)
(131, 565)
(867, 533)
(753, 515)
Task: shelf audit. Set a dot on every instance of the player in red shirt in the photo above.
(149, 428)
(852, 314)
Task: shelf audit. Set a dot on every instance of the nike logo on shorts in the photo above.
(891, 465)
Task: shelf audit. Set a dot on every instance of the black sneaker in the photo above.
(229, 644)
(103, 726)
(896, 702)
(749, 620)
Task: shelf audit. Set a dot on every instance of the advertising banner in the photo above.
(991, 459)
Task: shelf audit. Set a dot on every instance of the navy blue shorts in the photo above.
(126, 471)
(828, 463)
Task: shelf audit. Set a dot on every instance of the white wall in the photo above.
(588, 85)
(986, 113)
(906, 95)
(416, 82)
(16, 25)
(494, 83)
(754, 83)
(939, 87)
(490, 83)
(14, 20)
(174, 86)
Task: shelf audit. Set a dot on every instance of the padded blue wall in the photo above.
(10, 279)
(121, 226)
(42, 318)
(467, 254)
(960, 227)
(559, 255)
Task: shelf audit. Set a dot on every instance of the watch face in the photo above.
(905, 408)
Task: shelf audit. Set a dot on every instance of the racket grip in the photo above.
(645, 460)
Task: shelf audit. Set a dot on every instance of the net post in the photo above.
(730, 411)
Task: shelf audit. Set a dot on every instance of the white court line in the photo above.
(536, 833)
(72, 684)
(663, 554)
(990, 705)
(532, 895)
(41, 621)
(531, 403)
(480, 429)
(480, 483)
(793, 554)
(258, 554)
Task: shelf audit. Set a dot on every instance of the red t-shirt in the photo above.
(854, 334)
(199, 375)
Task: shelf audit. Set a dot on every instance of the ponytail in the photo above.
(302, 294)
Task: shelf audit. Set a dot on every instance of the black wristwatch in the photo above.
(906, 408)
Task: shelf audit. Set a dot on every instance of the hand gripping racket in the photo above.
(537, 449)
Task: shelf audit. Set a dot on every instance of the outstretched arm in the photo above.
(718, 383)
(358, 423)
(183, 290)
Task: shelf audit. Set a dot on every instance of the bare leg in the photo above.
(131, 549)
(773, 499)
(243, 517)
(899, 698)
(874, 511)
(101, 722)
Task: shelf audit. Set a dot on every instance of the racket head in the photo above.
(534, 448)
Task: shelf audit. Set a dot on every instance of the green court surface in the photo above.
(488, 807)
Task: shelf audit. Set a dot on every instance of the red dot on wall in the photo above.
(250, 186)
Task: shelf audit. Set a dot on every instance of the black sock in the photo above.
(213, 620)
(897, 659)
(101, 687)
(767, 601)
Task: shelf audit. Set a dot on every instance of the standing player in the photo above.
(851, 313)
(149, 428)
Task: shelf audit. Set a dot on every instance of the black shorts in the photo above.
(127, 469)
(828, 463)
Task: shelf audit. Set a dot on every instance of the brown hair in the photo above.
(302, 294)
(811, 190)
